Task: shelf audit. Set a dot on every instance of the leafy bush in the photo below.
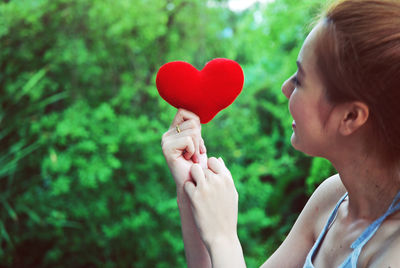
(82, 177)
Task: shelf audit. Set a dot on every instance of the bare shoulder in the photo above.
(323, 201)
(330, 190)
(308, 225)
(328, 193)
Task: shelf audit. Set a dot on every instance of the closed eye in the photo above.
(296, 81)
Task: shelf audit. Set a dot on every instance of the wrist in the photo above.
(223, 241)
(226, 251)
(180, 191)
(181, 196)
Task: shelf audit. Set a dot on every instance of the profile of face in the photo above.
(308, 104)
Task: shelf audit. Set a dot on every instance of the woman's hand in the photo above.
(214, 202)
(183, 146)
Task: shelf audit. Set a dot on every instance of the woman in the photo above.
(344, 102)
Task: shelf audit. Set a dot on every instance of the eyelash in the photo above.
(296, 81)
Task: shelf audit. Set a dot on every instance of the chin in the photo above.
(295, 143)
(302, 148)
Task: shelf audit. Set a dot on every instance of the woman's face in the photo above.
(307, 102)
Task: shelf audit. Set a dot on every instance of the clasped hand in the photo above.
(207, 182)
(214, 202)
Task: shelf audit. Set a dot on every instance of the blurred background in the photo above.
(82, 176)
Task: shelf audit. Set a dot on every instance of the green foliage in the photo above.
(82, 177)
(319, 170)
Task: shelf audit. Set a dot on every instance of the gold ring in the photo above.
(178, 130)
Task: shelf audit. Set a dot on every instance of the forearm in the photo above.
(227, 253)
(195, 250)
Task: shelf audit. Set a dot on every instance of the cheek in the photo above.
(294, 104)
(324, 110)
(307, 109)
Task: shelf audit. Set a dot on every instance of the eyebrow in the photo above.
(300, 68)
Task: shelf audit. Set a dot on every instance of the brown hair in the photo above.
(358, 57)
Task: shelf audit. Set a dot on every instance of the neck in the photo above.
(370, 185)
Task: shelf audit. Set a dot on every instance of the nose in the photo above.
(287, 88)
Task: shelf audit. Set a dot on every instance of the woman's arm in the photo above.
(214, 202)
(181, 150)
(195, 250)
(293, 251)
(207, 201)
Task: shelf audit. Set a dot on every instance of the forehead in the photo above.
(307, 56)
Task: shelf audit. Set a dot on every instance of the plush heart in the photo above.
(204, 92)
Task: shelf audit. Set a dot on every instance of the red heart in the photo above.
(204, 92)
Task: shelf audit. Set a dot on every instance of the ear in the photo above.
(354, 115)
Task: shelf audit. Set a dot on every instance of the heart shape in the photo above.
(204, 92)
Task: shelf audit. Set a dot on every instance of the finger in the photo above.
(189, 121)
(215, 165)
(203, 161)
(186, 125)
(183, 115)
(224, 168)
(198, 175)
(208, 174)
(195, 140)
(189, 188)
(191, 128)
(203, 149)
(179, 146)
(182, 129)
(196, 155)
(191, 152)
(196, 158)
(190, 125)
(174, 130)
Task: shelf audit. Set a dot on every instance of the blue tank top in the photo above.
(358, 244)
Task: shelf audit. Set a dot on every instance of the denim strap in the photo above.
(359, 243)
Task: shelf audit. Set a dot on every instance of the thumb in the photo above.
(183, 145)
(190, 188)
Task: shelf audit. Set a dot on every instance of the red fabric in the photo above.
(204, 92)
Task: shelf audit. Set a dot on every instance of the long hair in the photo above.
(358, 58)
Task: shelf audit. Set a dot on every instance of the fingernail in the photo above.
(195, 158)
(202, 149)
